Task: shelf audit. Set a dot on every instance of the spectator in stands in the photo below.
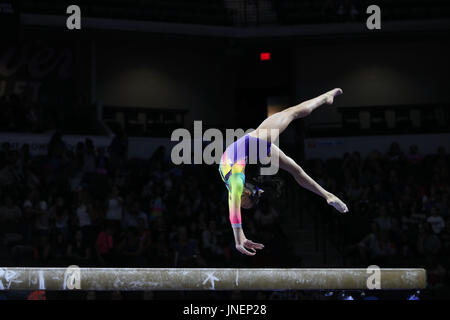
(6, 115)
(445, 206)
(428, 243)
(414, 157)
(437, 276)
(161, 255)
(145, 235)
(194, 231)
(11, 175)
(78, 250)
(157, 204)
(445, 236)
(353, 190)
(157, 160)
(383, 220)
(367, 245)
(131, 248)
(89, 161)
(436, 221)
(185, 249)
(210, 242)
(83, 209)
(60, 217)
(10, 228)
(266, 217)
(101, 162)
(118, 149)
(10, 213)
(114, 211)
(28, 218)
(25, 155)
(59, 249)
(405, 250)
(105, 247)
(384, 248)
(5, 154)
(41, 248)
(42, 218)
(57, 150)
(394, 154)
(132, 213)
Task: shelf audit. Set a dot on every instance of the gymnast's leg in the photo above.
(282, 119)
(288, 164)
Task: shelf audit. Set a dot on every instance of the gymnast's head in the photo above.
(250, 196)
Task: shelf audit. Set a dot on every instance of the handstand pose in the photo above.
(235, 158)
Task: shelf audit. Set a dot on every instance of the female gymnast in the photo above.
(234, 159)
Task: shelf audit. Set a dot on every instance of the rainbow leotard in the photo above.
(232, 170)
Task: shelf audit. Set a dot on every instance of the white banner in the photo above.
(137, 147)
(324, 148)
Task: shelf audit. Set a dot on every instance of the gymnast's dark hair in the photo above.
(271, 185)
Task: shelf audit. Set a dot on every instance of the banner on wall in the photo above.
(325, 148)
(39, 142)
(36, 70)
(321, 148)
(138, 147)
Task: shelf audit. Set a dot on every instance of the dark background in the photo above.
(88, 113)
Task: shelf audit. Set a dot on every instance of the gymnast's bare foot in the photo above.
(329, 96)
(337, 203)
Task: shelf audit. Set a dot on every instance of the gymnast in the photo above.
(235, 158)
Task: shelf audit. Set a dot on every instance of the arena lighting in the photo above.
(145, 279)
(265, 56)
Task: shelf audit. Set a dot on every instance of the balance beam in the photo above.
(145, 279)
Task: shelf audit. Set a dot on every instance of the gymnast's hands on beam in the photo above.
(242, 243)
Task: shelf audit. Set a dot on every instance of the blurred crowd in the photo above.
(94, 207)
(399, 209)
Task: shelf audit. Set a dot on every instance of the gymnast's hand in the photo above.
(242, 243)
(249, 244)
(337, 203)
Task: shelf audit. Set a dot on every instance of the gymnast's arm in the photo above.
(234, 202)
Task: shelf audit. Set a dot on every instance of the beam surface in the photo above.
(99, 279)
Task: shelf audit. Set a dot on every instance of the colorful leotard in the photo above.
(232, 167)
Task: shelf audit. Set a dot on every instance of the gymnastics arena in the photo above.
(243, 155)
